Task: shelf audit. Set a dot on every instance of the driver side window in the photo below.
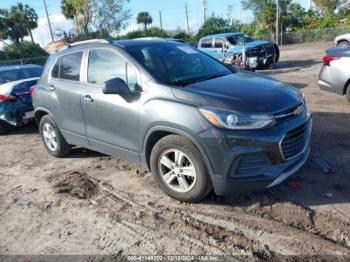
(105, 65)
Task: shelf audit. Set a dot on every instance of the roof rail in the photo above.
(102, 41)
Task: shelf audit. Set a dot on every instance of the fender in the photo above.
(177, 132)
(36, 109)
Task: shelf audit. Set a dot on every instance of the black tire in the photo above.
(343, 43)
(201, 185)
(62, 148)
(4, 128)
(277, 53)
(348, 93)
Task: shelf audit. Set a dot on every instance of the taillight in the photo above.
(7, 98)
(31, 89)
(328, 59)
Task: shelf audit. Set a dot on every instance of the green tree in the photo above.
(96, 17)
(327, 7)
(144, 18)
(265, 12)
(80, 12)
(25, 15)
(17, 23)
(214, 25)
(110, 15)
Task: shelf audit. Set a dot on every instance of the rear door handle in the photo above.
(88, 98)
(52, 88)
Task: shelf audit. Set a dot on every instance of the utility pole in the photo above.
(160, 20)
(310, 4)
(204, 5)
(48, 21)
(188, 25)
(277, 20)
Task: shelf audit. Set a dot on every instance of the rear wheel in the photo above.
(348, 93)
(4, 127)
(343, 43)
(54, 142)
(277, 53)
(179, 169)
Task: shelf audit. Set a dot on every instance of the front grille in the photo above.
(251, 165)
(295, 141)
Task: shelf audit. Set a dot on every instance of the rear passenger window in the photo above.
(206, 43)
(70, 66)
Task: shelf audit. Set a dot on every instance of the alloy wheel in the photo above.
(50, 137)
(177, 170)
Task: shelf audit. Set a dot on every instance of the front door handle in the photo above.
(52, 88)
(88, 98)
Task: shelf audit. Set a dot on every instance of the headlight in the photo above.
(237, 121)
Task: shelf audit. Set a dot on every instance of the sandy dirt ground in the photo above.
(88, 203)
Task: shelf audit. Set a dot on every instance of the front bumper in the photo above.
(255, 160)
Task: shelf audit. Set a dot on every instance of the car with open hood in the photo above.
(230, 47)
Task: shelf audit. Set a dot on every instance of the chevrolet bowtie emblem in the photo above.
(298, 110)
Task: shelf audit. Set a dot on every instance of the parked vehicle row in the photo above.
(198, 124)
(15, 95)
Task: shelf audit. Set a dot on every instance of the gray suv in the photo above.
(196, 123)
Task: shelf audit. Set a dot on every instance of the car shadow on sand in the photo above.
(30, 128)
(286, 66)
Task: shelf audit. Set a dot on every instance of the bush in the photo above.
(28, 49)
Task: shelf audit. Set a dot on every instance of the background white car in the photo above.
(342, 41)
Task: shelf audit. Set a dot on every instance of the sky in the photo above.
(173, 14)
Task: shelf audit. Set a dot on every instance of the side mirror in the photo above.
(115, 86)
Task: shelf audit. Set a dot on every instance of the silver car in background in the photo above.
(342, 41)
(335, 72)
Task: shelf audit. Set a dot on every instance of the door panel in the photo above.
(65, 90)
(112, 123)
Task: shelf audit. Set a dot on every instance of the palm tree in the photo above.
(25, 18)
(144, 18)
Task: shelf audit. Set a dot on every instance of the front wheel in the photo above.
(179, 169)
(4, 128)
(52, 138)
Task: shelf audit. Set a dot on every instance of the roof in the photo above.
(140, 42)
(12, 67)
(223, 34)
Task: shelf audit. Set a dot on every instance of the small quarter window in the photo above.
(56, 69)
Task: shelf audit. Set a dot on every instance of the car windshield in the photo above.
(239, 39)
(177, 64)
(19, 74)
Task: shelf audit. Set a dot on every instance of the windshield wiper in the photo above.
(200, 79)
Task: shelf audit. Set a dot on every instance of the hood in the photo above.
(238, 48)
(242, 92)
